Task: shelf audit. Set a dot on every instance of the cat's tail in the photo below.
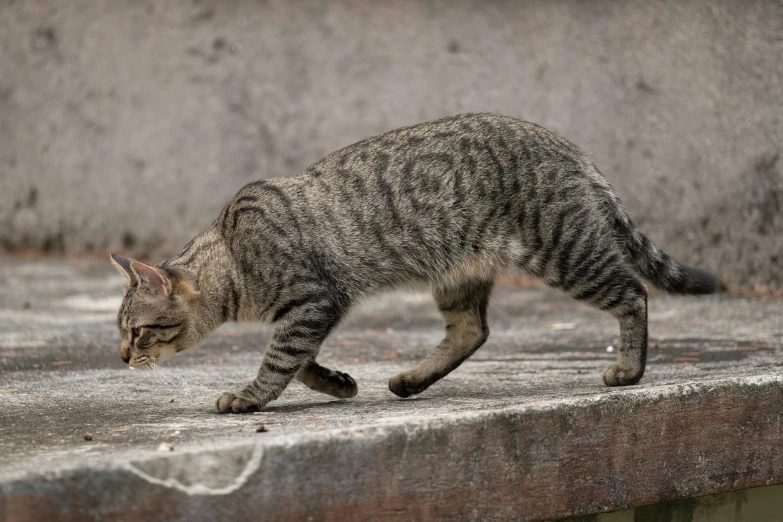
(657, 266)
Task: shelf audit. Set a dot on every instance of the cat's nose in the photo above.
(125, 352)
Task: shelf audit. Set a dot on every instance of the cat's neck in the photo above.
(208, 262)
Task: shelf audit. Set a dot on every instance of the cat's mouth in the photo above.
(153, 357)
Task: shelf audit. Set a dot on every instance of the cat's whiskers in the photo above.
(162, 373)
(154, 368)
(148, 365)
(158, 375)
(167, 374)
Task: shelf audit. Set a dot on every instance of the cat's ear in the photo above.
(123, 264)
(156, 278)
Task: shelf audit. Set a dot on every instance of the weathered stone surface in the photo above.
(523, 430)
(185, 101)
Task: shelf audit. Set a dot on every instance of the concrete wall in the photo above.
(127, 125)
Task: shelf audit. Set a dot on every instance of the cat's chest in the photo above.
(249, 311)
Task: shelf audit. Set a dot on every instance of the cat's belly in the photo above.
(487, 264)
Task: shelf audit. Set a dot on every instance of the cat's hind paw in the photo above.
(236, 403)
(616, 375)
(404, 385)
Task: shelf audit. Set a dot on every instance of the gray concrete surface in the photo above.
(525, 419)
(127, 125)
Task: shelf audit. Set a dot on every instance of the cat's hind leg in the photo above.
(324, 380)
(464, 307)
(631, 312)
(607, 283)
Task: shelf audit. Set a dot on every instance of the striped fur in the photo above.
(445, 205)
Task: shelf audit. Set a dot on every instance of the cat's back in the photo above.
(416, 200)
(472, 157)
(478, 140)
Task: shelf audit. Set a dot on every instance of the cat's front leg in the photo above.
(295, 342)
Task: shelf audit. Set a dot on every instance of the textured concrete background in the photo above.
(128, 125)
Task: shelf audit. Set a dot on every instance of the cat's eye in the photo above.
(135, 332)
(162, 326)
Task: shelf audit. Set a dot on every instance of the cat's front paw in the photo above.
(616, 375)
(236, 403)
(340, 385)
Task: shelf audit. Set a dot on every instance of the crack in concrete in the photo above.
(251, 466)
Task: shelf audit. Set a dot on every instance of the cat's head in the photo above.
(157, 316)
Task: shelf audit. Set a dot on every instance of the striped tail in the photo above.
(657, 266)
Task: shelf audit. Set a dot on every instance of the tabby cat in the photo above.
(445, 205)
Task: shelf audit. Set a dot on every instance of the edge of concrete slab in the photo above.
(549, 460)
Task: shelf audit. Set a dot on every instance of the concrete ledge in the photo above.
(524, 430)
(541, 461)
